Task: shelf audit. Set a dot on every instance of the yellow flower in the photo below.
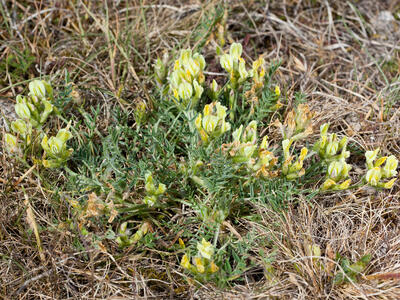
(236, 50)
(205, 248)
(22, 110)
(338, 170)
(371, 156)
(40, 89)
(186, 79)
(185, 90)
(24, 129)
(198, 262)
(213, 124)
(185, 262)
(213, 267)
(277, 90)
(389, 170)
(332, 148)
(374, 176)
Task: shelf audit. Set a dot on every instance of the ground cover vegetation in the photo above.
(241, 149)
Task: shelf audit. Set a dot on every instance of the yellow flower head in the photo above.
(205, 248)
(374, 176)
(185, 262)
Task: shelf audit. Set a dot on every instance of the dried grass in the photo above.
(332, 51)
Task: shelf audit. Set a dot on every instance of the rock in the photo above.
(384, 23)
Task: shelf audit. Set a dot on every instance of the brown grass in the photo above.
(334, 52)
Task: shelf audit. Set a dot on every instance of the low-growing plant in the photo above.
(350, 270)
(198, 149)
(34, 111)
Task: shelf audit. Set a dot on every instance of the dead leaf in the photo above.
(94, 207)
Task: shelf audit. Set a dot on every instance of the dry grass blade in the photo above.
(30, 217)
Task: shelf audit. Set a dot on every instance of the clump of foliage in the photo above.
(198, 147)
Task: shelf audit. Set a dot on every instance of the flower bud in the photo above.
(389, 184)
(185, 55)
(193, 67)
(370, 157)
(236, 50)
(198, 90)
(332, 148)
(21, 128)
(214, 90)
(324, 129)
(328, 184)
(380, 161)
(227, 62)
(22, 110)
(344, 185)
(343, 142)
(286, 148)
(160, 71)
(11, 142)
(242, 70)
(48, 109)
(277, 90)
(64, 135)
(140, 112)
(200, 60)
(37, 88)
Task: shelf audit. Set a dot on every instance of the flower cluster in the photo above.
(187, 78)
(55, 148)
(161, 70)
(297, 126)
(34, 111)
(244, 149)
(338, 172)
(235, 65)
(211, 124)
(140, 113)
(376, 173)
(203, 262)
(152, 193)
(292, 170)
(36, 107)
(328, 147)
(258, 73)
(23, 130)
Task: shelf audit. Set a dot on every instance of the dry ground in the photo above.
(342, 55)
